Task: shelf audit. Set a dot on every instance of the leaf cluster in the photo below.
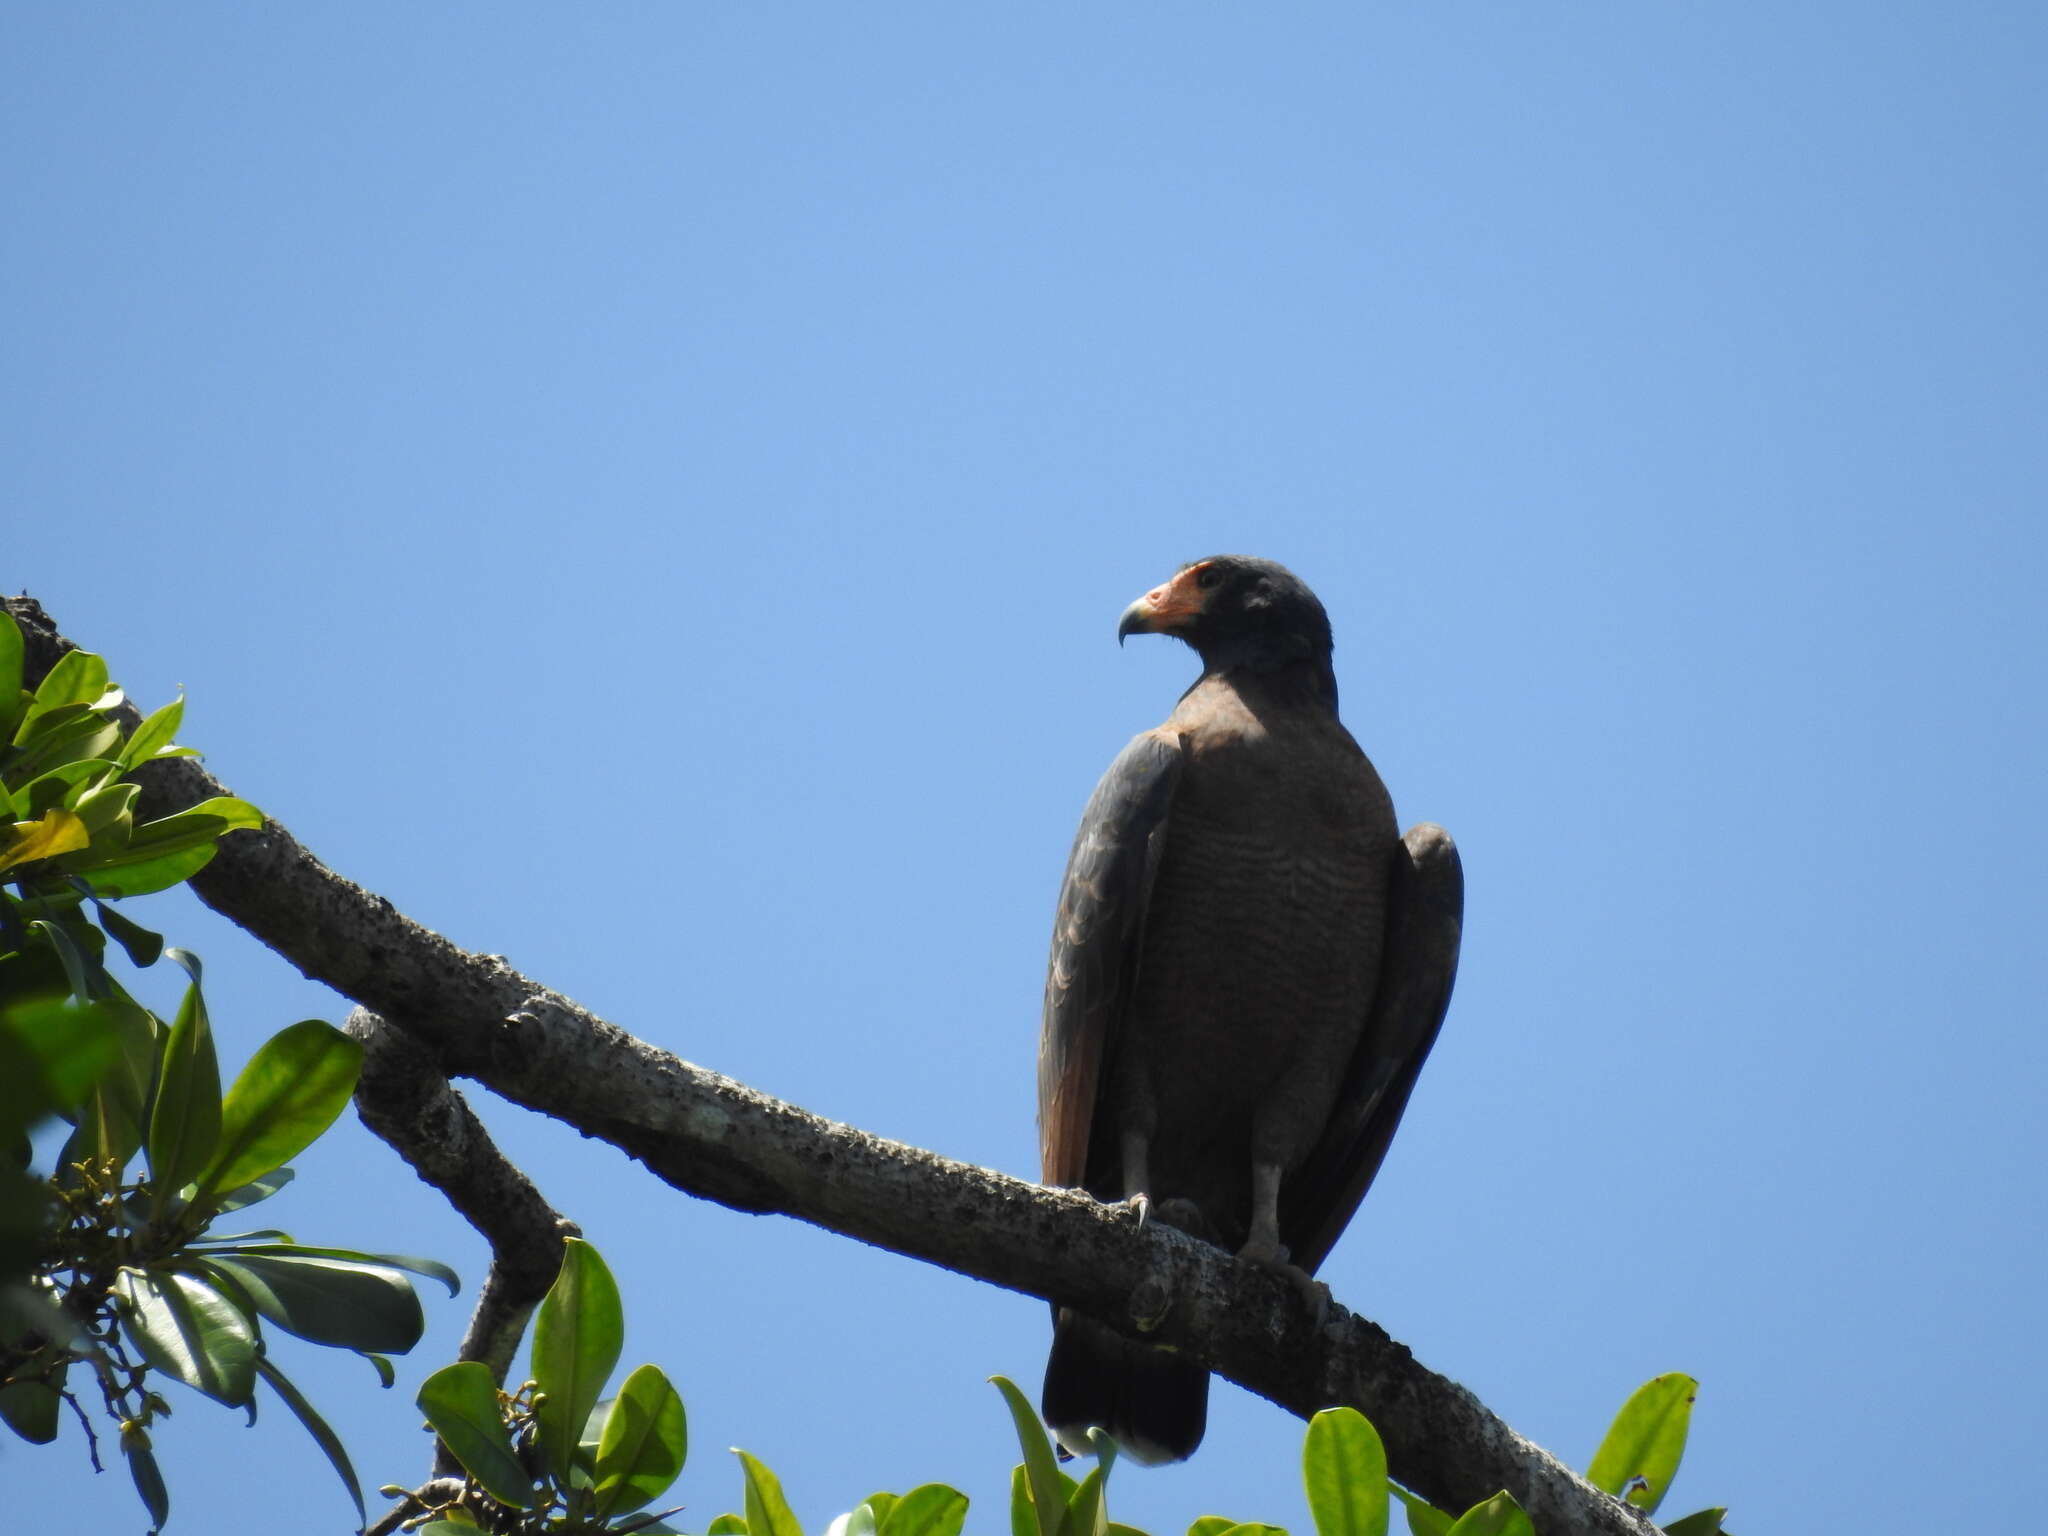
(69, 842)
(527, 1473)
(111, 1275)
(130, 1280)
(557, 1455)
(67, 774)
(1343, 1472)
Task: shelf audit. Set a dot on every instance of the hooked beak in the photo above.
(1165, 610)
(1137, 620)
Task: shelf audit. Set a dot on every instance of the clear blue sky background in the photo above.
(650, 488)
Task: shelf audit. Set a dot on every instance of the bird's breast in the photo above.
(1263, 936)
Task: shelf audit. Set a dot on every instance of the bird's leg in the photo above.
(1264, 1247)
(1137, 1183)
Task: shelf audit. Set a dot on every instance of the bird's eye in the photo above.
(1207, 577)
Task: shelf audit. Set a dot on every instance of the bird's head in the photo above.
(1235, 611)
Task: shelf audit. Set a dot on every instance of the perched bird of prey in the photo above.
(1249, 964)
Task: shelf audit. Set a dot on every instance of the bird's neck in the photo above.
(1305, 681)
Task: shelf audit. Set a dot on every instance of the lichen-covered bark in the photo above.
(710, 1136)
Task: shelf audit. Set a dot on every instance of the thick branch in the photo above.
(710, 1136)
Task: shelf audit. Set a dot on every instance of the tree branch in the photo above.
(710, 1136)
(404, 1097)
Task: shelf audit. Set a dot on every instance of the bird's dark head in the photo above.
(1237, 612)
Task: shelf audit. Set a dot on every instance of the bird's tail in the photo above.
(1153, 1401)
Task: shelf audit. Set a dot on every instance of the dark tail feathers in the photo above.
(1154, 1401)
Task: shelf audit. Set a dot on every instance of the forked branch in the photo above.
(713, 1137)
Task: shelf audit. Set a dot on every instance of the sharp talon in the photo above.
(1142, 1204)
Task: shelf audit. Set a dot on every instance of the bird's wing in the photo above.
(1095, 941)
(1425, 916)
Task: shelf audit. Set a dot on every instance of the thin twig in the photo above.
(92, 1441)
(432, 1495)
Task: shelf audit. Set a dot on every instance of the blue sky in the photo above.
(650, 489)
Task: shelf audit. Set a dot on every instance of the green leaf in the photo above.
(1211, 1525)
(349, 1306)
(1042, 1472)
(184, 1124)
(79, 677)
(1086, 1514)
(68, 1046)
(1643, 1447)
(434, 1269)
(318, 1428)
(83, 972)
(292, 1090)
(11, 651)
(727, 1524)
(1252, 1528)
(253, 1192)
(1497, 1516)
(767, 1511)
(1701, 1522)
(209, 1243)
(71, 735)
(149, 1478)
(141, 945)
(110, 1120)
(1023, 1513)
(879, 1505)
(161, 853)
(1086, 1506)
(461, 1402)
(130, 873)
(1344, 1469)
(108, 806)
(63, 783)
(1131, 1530)
(154, 733)
(932, 1509)
(30, 1410)
(206, 821)
(643, 1445)
(593, 1431)
(188, 1330)
(577, 1331)
(1424, 1518)
(385, 1374)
